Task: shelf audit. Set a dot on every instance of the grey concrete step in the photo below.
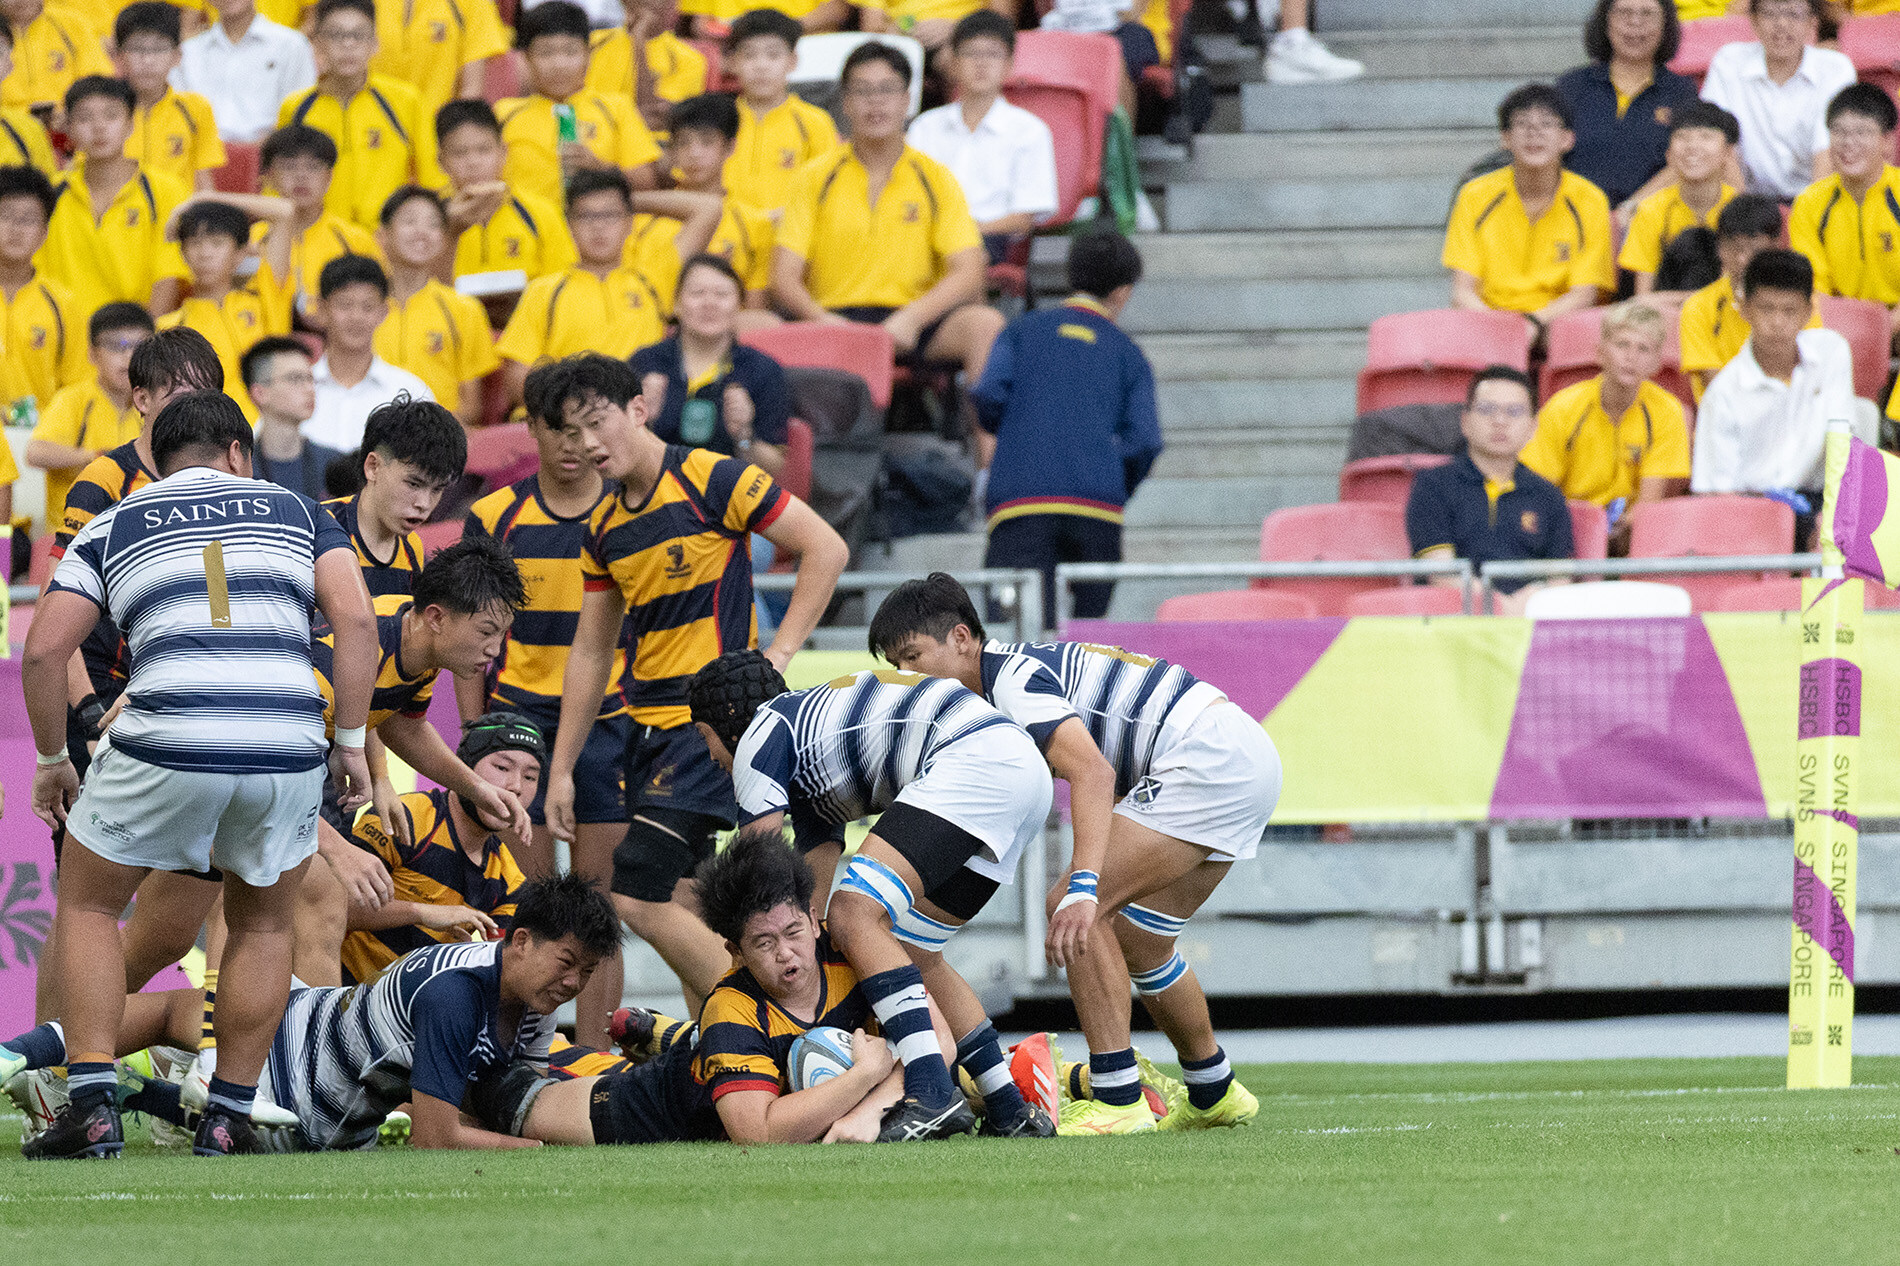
(1525, 52)
(1273, 409)
(1441, 15)
(1323, 156)
(1287, 355)
(1224, 455)
(1212, 544)
(1373, 104)
(1397, 202)
(1345, 304)
(1287, 255)
(1209, 502)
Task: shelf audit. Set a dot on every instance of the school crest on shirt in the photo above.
(374, 138)
(175, 147)
(247, 319)
(38, 337)
(435, 342)
(587, 131)
(1528, 521)
(911, 212)
(58, 61)
(787, 159)
(1886, 242)
(131, 217)
(1563, 252)
(676, 568)
(438, 32)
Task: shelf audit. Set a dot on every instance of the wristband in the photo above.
(1073, 899)
(353, 737)
(1083, 881)
(54, 761)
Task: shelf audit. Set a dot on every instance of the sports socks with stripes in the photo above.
(207, 1037)
(231, 1097)
(1113, 1078)
(43, 1047)
(903, 1011)
(1207, 1079)
(90, 1082)
(980, 1054)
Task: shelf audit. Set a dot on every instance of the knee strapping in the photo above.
(871, 878)
(1150, 983)
(1154, 922)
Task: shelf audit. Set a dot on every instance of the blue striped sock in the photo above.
(90, 1083)
(898, 1000)
(160, 1099)
(1113, 1078)
(1207, 1079)
(230, 1096)
(44, 1047)
(981, 1055)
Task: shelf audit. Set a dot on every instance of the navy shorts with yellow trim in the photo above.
(599, 794)
(671, 769)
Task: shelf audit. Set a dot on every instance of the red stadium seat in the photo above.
(1344, 531)
(1589, 530)
(1702, 37)
(312, 343)
(1866, 327)
(502, 454)
(1709, 527)
(717, 78)
(1069, 80)
(439, 536)
(795, 475)
(1236, 604)
(1431, 357)
(239, 173)
(864, 350)
(1873, 44)
(1387, 479)
(502, 76)
(1409, 600)
(1571, 355)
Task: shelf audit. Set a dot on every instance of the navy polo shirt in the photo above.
(1450, 505)
(762, 377)
(1619, 155)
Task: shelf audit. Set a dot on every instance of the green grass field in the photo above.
(1629, 1161)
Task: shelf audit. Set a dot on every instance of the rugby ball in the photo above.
(817, 1056)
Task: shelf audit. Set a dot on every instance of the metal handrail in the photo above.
(1687, 565)
(1342, 569)
(1028, 582)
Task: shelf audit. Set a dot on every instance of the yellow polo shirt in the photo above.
(1591, 457)
(727, 10)
(44, 345)
(56, 48)
(82, 416)
(118, 255)
(439, 336)
(1658, 219)
(875, 255)
(256, 309)
(608, 126)
(384, 140)
(1712, 330)
(1851, 243)
(527, 232)
(426, 43)
(331, 237)
(926, 10)
(770, 149)
(743, 239)
(176, 135)
(679, 69)
(1523, 266)
(23, 140)
(573, 311)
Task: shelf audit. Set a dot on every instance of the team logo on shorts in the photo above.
(1145, 792)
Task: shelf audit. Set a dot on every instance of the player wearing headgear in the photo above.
(961, 789)
(1170, 783)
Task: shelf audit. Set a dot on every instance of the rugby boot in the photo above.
(1033, 1122)
(1091, 1116)
(1236, 1107)
(911, 1121)
(94, 1131)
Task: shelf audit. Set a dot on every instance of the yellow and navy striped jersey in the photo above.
(107, 480)
(745, 1038)
(548, 548)
(396, 689)
(568, 1062)
(437, 871)
(681, 559)
(394, 575)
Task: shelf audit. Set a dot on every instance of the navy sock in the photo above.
(981, 1055)
(156, 1099)
(898, 1000)
(230, 1096)
(44, 1047)
(90, 1084)
(1113, 1078)
(1207, 1079)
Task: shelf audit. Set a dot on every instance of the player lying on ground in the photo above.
(1170, 784)
(961, 789)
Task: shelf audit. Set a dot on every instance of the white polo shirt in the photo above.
(248, 79)
(1783, 125)
(1754, 433)
(1006, 164)
(342, 411)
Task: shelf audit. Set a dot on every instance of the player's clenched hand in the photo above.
(501, 811)
(872, 1053)
(54, 788)
(349, 772)
(557, 809)
(1068, 938)
(477, 925)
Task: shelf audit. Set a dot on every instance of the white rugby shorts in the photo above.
(992, 784)
(1214, 786)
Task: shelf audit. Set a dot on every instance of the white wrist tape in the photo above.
(353, 737)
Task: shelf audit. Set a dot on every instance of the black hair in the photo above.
(727, 693)
(343, 476)
(708, 112)
(6, 31)
(592, 180)
(352, 270)
(178, 357)
(1775, 269)
(1749, 215)
(1596, 33)
(763, 22)
(464, 112)
(211, 216)
(534, 394)
(1500, 373)
(718, 263)
(148, 17)
(580, 379)
(1532, 97)
(258, 356)
(30, 182)
(419, 432)
(755, 873)
(1867, 100)
(476, 574)
(874, 51)
(1101, 262)
(326, 7)
(981, 23)
(404, 196)
(101, 86)
(297, 141)
(568, 905)
(1690, 261)
(554, 17)
(196, 424)
(931, 606)
(1712, 116)
(118, 316)
(1815, 7)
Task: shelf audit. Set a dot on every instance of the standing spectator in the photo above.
(1846, 223)
(172, 131)
(277, 374)
(1713, 328)
(1531, 237)
(1487, 504)
(1003, 157)
(90, 417)
(351, 378)
(779, 132)
(438, 47)
(1779, 88)
(1066, 381)
(1623, 101)
(52, 50)
(246, 66)
(1702, 139)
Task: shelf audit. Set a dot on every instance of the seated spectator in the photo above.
(1295, 55)
(709, 19)
(1779, 88)
(213, 230)
(53, 49)
(351, 378)
(438, 47)
(246, 66)
(277, 376)
(779, 132)
(1713, 327)
(436, 334)
(1486, 504)
(646, 63)
(298, 162)
(23, 138)
(498, 228)
(912, 261)
(1701, 147)
(172, 131)
(1530, 237)
(1618, 439)
(702, 132)
(95, 415)
(1066, 380)
(1762, 425)
(1622, 102)
(1846, 223)
(929, 22)
(1003, 157)
(1100, 17)
(40, 352)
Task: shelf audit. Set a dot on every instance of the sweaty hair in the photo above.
(352, 270)
(931, 607)
(1532, 97)
(343, 477)
(865, 54)
(258, 356)
(1596, 33)
(727, 693)
(717, 263)
(534, 394)
(708, 112)
(197, 424)
(1102, 262)
(101, 86)
(1774, 269)
(592, 180)
(178, 357)
(118, 316)
(464, 112)
(396, 201)
(214, 218)
(1866, 100)
(568, 905)
(1749, 215)
(983, 22)
(1500, 373)
(419, 432)
(31, 182)
(754, 874)
(299, 140)
(580, 379)
(1707, 114)
(763, 23)
(326, 7)
(148, 17)
(474, 575)
(555, 17)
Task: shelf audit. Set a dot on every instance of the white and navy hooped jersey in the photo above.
(1126, 700)
(212, 581)
(344, 1058)
(836, 752)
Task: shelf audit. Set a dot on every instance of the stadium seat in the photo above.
(1710, 527)
(1702, 37)
(439, 536)
(502, 77)
(820, 59)
(1608, 600)
(795, 475)
(1409, 600)
(1866, 327)
(1431, 357)
(1387, 479)
(240, 171)
(1872, 43)
(1343, 531)
(1571, 355)
(864, 350)
(1589, 530)
(1068, 80)
(1236, 604)
(502, 454)
(718, 79)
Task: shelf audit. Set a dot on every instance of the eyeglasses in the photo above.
(292, 380)
(596, 216)
(1647, 14)
(346, 37)
(1510, 412)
